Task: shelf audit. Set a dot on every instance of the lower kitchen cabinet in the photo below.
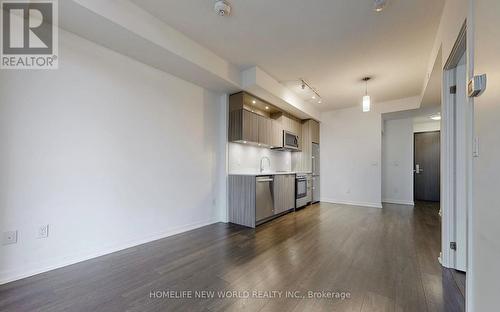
(284, 193)
(256, 199)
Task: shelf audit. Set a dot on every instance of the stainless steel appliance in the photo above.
(302, 197)
(315, 173)
(290, 140)
(264, 201)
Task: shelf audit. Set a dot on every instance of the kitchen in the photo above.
(274, 161)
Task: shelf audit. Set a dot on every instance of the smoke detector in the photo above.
(222, 8)
(379, 5)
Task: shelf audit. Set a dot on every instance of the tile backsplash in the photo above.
(245, 158)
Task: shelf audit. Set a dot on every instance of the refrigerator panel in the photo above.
(315, 189)
(316, 159)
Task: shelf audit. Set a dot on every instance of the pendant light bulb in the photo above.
(366, 97)
(366, 103)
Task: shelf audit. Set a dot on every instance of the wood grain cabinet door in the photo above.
(284, 193)
(250, 126)
(290, 198)
(277, 134)
(314, 131)
(265, 130)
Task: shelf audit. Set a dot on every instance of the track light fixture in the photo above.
(315, 94)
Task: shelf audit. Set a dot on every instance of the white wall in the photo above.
(246, 158)
(485, 214)
(108, 151)
(426, 126)
(351, 157)
(453, 16)
(397, 161)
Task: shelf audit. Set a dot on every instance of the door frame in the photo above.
(414, 151)
(451, 133)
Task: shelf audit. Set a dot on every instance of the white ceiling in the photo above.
(420, 115)
(330, 43)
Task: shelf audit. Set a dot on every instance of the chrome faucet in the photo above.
(262, 163)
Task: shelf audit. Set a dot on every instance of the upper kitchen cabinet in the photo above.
(250, 121)
(314, 131)
(277, 136)
(290, 124)
(310, 134)
(254, 121)
(243, 126)
(265, 131)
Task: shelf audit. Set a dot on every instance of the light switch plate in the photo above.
(9, 237)
(475, 147)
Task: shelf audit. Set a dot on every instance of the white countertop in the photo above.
(250, 173)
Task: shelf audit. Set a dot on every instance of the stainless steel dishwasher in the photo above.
(264, 201)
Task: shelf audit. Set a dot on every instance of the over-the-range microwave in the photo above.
(290, 141)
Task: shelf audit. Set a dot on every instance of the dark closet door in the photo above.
(427, 166)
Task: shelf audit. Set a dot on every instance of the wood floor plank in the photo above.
(384, 259)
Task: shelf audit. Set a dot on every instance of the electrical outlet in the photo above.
(43, 231)
(9, 237)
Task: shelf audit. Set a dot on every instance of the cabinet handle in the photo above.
(265, 180)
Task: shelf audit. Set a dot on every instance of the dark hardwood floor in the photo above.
(384, 259)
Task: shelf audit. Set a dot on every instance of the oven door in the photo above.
(301, 187)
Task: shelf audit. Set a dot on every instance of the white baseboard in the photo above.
(398, 202)
(352, 203)
(13, 275)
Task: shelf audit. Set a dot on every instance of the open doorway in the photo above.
(440, 186)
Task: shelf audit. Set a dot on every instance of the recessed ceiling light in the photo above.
(314, 97)
(253, 102)
(267, 107)
(319, 102)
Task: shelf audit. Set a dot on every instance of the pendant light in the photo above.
(366, 97)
